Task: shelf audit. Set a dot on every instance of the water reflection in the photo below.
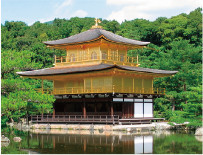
(143, 144)
(80, 142)
(124, 144)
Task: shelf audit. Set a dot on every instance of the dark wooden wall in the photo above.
(128, 109)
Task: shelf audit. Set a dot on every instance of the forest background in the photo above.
(176, 44)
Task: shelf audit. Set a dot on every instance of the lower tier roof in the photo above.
(98, 67)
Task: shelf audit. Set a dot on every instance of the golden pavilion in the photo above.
(97, 82)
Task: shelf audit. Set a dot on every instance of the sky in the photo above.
(30, 11)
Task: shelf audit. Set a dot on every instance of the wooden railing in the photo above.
(105, 58)
(75, 118)
(110, 89)
(44, 90)
(88, 113)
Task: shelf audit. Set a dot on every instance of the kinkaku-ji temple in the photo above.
(97, 82)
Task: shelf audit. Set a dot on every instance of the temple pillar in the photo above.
(84, 109)
(54, 111)
(95, 107)
(111, 108)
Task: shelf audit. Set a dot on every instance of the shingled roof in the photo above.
(94, 34)
(70, 70)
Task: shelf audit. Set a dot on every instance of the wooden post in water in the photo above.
(84, 145)
(53, 141)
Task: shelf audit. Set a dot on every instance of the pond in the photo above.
(122, 143)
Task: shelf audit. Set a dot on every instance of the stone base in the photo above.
(73, 126)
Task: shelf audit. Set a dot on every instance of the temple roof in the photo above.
(70, 70)
(95, 34)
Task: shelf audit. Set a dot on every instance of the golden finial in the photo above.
(96, 24)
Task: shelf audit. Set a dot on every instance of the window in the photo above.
(94, 55)
(122, 57)
(104, 56)
(111, 55)
(84, 55)
(72, 58)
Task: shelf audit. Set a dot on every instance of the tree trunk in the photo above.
(184, 87)
(173, 106)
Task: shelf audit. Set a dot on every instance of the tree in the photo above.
(17, 104)
(18, 94)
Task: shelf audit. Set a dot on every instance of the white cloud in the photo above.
(60, 8)
(63, 10)
(128, 13)
(149, 9)
(79, 13)
(156, 3)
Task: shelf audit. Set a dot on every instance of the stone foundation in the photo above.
(73, 126)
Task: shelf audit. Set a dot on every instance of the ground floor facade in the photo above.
(100, 109)
(125, 106)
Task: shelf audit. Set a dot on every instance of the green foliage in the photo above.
(4, 119)
(112, 26)
(170, 123)
(19, 98)
(176, 144)
(13, 61)
(177, 116)
(194, 123)
(18, 104)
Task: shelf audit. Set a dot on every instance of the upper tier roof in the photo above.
(94, 34)
(71, 70)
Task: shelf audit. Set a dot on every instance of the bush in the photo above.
(157, 114)
(194, 123)
(171, 123)
(4, 119)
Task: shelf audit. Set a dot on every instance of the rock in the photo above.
(162, 126)
(48, 127)
(4, 139)
(4, 144)
(91, 127)
(199, 138)
(199, 132)
(101, 130)
(129, 129)
(10, 124)
(17, 139)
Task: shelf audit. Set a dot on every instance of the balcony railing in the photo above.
(105, 58)
(75, 118)
(79, 90)
(45, 90)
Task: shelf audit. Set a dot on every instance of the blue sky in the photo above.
(30, 11)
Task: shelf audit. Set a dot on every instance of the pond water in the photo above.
(123, 143)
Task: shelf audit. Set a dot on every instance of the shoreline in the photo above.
(98, 128)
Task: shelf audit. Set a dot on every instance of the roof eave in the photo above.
(100, 69)
(63, 46)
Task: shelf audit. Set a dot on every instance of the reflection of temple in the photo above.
(98, 78)
(143, 144)
(126, 144)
